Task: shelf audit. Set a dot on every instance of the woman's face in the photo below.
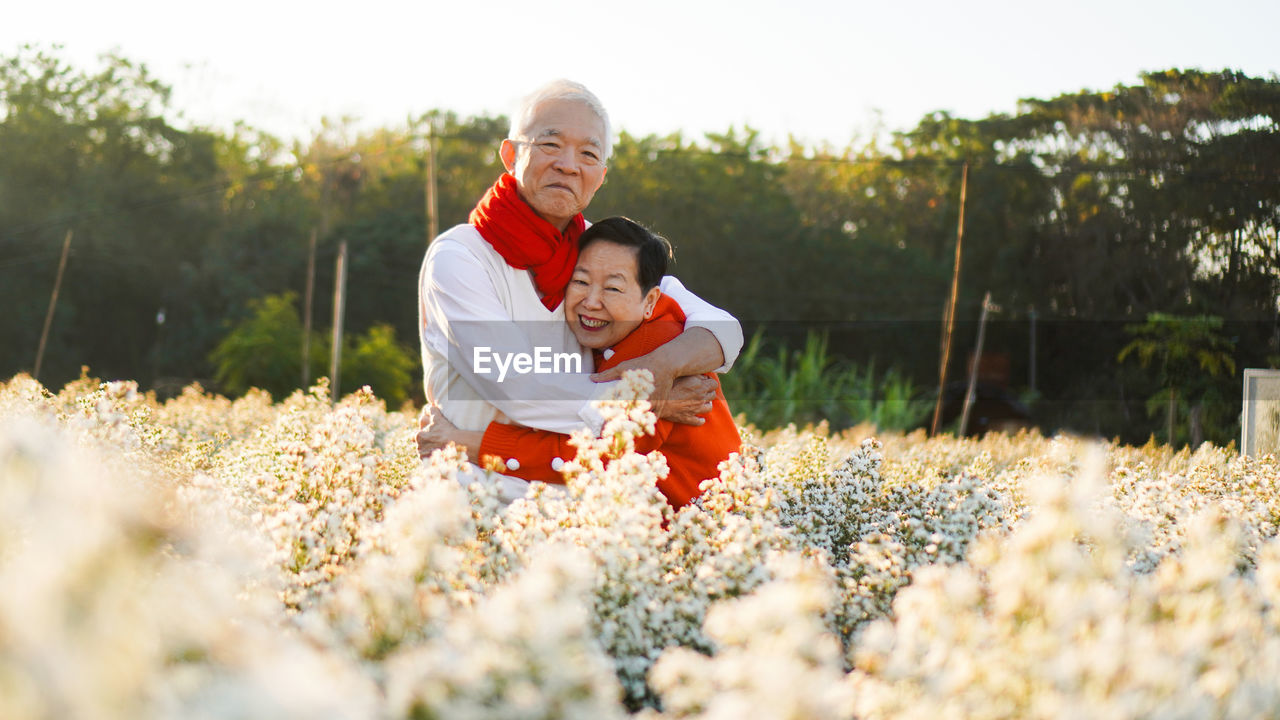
(603, 302)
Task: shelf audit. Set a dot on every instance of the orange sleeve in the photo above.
(534, 453)
(649, 443)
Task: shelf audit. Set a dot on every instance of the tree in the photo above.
(1183, 348)
(94, 152)
(1171, 180)
(377, 360)
(264, 350)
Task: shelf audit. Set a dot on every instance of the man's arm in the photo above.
(711, 341)
(461, 311)
(701, 314)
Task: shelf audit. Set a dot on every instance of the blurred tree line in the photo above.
(1085, 214)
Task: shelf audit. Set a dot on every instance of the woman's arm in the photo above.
(533, 454)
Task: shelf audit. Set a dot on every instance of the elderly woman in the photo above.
(614, 307)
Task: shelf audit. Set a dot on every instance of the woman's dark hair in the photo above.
(652, 250)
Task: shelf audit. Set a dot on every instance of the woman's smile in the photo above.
(591, 323)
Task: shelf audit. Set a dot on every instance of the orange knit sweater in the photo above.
(692, 452)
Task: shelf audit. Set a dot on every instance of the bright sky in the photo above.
(821, 70)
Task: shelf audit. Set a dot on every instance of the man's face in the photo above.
(560, 166)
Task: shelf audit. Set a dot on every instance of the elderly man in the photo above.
(491, 290)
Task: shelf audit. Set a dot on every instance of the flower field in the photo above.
(208, 558)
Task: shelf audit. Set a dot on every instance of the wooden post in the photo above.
(977, 362)
(306, 312)
(949, 324)
(53, 301)
(1033, 349)
(155, 362)
(339, 307)
(433, 224)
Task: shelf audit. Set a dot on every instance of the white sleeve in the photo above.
(461, 311)
(700, 313)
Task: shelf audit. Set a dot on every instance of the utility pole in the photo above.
(977, 362)
(339, 308)
(433, 224)
(950, 321)
(53, 301)
(306, 312)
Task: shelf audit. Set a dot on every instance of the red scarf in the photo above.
(526, 241)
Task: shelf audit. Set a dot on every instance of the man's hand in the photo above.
(692, 352)
(663, 374)
(678, 399)
(689, 398)
(679, 393)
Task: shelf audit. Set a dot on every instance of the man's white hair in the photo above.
(522, 121)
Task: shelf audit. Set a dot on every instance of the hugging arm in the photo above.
(526, 453)
(540, 455)
(699, 355)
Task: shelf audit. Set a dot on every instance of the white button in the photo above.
(513, 464)
(608, 353)
(557, 464)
